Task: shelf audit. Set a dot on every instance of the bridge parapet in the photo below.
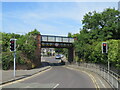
(59, 39)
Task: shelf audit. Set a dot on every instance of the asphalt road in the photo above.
(56, 77)
(51, 59)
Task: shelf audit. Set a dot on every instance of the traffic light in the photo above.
(12, 44)
(104, 47)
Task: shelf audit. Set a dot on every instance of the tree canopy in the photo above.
(99, 27)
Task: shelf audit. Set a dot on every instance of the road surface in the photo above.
(56, 77)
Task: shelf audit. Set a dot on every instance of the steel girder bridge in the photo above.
(48, 41)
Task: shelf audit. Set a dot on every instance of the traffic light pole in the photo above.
(105, 52)
(108, 66)
(14, 63)
(13, 49)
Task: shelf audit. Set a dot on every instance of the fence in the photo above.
(111, 77)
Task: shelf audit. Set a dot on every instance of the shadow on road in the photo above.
(52, 64)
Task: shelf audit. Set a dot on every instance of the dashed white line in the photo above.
(27, 87)
(55, 86)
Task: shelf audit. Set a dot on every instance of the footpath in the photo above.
(7, 76)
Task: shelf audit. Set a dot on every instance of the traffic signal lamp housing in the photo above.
(12, 44)
(104, 47)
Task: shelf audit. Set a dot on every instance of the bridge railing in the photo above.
(48, 38)
(111, 77)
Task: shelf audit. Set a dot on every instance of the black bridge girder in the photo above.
(56, 45)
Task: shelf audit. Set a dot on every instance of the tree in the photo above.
(102, 26)
(26, 46)
(34, 32)
(99, 27)
(69, 34)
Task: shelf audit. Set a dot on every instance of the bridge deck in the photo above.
(48, 41)
(48, 38)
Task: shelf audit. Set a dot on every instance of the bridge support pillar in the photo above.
(38, 50)
(70, 54)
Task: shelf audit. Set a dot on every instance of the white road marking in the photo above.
(101, 83)
(27, 87)
(55, 86)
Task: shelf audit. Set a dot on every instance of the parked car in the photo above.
(58, 57)
(61, 55)
(62, 62)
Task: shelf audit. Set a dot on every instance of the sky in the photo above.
(50, 18)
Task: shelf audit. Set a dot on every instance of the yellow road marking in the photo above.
(92, 78)
(101, 82)
(26, 78)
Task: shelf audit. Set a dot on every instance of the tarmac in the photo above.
(7, 76)
(102, 83)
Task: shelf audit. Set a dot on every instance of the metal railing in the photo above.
(111, 77)
(49, 38)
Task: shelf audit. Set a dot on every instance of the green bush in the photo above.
(25, 49)
(93, 53)
(7, 59)
(113, 53)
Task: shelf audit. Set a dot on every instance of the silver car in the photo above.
(58, 57)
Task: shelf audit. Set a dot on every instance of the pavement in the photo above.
(7, 76)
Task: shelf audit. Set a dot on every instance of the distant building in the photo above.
(45, 51)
